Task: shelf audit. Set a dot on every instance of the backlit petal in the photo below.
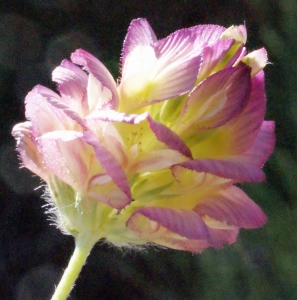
(28, 150)
(99, 71)
(185, 223)
(139, 33)
(238, 33)
(232, 206)
(72, 84)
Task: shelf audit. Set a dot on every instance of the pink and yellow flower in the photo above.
(154, 158)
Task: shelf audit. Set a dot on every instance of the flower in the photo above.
(154, 158)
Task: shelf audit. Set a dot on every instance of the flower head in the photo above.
(154, 158)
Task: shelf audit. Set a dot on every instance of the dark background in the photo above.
(35, 35)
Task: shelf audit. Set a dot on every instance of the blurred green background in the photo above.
(35, 35)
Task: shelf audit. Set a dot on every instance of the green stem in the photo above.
(83, 247)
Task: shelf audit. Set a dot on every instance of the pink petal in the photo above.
(156, 160)
(185, 223)
(217, 238)
(99, 71)
(212, 56)
(263, 145)
(103, 189)
(244, 129)
(162, 133)
(206, 35)
(139, 33)
(27, 149)
(72, 84)
(62, 153)
(245, 166)
(47, 112)
(169, 137)
(178, 63)
(217, 99)
(154, 73)
(231, 167)
(110, 165)
(232, 206)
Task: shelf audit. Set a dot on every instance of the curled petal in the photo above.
(216, 100)
(238, 33)
(245, 128)
(257, 60)
(72, 83)
(237, 135)
(28, 150)
(99, 71)
(184, 223)
(233, 207)
(212, 56)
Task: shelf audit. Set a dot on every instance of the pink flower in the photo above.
(154, 158)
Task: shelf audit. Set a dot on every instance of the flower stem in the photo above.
(83, 246)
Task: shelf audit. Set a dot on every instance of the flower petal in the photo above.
(216, 100)
(48, 112)
(257, 60)
(28, 150)
(238, 33)
(233, 207)
(99, 71)
(63, 153)
(110, 164)
(245, 166)
(211, 56)
(139, 33)
(169, 137)
(72, 83)
(232, 168)
(154, 73)
(185, 223)
(236, 136)
(98, 95)
(243, 130)
(156, 160)
(178, 63)
(206, 35)
(263, 145)
(114, 116)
